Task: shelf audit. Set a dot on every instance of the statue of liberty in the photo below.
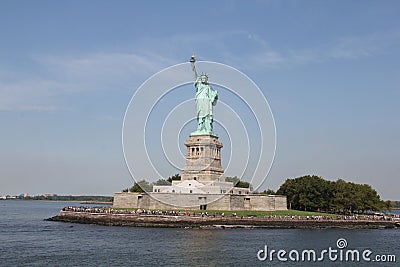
(206, 98)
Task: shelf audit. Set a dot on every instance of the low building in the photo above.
(193, 201)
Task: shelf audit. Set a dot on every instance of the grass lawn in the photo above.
(251, 213)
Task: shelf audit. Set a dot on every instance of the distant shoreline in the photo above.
(97, 202)
(166, 221)
(63, 201)
(82, 199)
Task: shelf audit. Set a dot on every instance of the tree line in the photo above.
(313, 193)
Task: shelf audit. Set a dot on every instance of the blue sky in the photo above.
(329, 69)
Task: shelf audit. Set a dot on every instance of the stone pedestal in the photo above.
(203, 159)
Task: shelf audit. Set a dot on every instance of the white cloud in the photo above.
(102, 64)
(356, 47)
(73, 74)
(344, 48)
(34, 95)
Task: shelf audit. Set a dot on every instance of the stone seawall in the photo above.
(213, 222)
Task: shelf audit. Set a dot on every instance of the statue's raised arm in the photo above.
(192, 61)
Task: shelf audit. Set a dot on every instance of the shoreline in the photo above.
(97, 202)
(179, 221)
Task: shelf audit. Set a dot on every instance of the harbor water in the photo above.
(28, 240)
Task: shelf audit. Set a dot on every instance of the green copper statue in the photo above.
(206, 98)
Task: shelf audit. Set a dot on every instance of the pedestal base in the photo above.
(203, 159)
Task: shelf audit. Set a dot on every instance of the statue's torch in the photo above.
(192, 61)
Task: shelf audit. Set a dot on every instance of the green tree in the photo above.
(176, 177)
(141, 187)
(233, 179)
(243, 184)
(388, 205)
(341, 196)
(310, 193)
(350, 197)
(162, 182)
(369, 198)
(268, 192)
(238, 183)
(396, 204)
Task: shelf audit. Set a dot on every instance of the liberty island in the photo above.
(203, 198)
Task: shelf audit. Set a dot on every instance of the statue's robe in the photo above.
(206, 98)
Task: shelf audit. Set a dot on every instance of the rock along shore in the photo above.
(167, 221)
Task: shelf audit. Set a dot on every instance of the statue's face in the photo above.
(204, 79)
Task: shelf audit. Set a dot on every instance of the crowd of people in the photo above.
(110, 210)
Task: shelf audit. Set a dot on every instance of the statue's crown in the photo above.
(204, 75)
